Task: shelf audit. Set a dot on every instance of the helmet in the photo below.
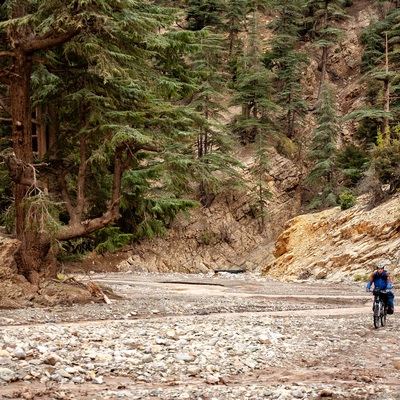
(380, 265)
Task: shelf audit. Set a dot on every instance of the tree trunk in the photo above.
(324, 59)
(34, 249)
(323, 68)
(386, 128)
(34, 258)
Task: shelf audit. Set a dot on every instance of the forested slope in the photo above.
(118, 119)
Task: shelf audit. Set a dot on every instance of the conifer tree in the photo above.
(213, 143)
(380, 65)
(323, 150)
(320, 16)
(287, 62)
(95, 76)
(260, 193)
(254, 93)
(236, 22)
(205, 13)
(253, 88)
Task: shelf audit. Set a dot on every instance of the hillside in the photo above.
(225, 236)
(295, 243)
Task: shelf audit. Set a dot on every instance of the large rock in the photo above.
(15, 290)
(8, 247)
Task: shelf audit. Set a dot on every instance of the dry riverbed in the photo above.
(203, 337)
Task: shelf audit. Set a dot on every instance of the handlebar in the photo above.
(378, 291)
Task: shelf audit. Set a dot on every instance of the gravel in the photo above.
(202, 337)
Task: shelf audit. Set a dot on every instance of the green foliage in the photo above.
(346, 200)
(116, 94)
(110, 239)
(146, 209)
(205, 13)
(235, 24)
(42, 214)
(323, 150)
(288, 64)
(206, 238)
(287, 147)
(380, 65)
(352, 161)
(361, 278)
(372, 39)
(253, 89)
(386, 161)
(320, 18)
(315, 203)
(260, 193)
(132, 89)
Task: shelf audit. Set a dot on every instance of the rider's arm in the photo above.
(388, 282)
(371, 279)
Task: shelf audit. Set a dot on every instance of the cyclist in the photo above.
(381, 280)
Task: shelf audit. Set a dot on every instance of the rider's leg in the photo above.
(390, 296)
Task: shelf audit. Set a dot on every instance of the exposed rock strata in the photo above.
(334, 244)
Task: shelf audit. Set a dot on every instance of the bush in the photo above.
(346, 200)
(385, 161)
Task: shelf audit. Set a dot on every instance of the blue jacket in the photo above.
(381, 281)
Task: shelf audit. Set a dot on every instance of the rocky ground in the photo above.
(203, 337)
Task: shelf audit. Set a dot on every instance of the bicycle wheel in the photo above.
(376, 315)
(383, 314)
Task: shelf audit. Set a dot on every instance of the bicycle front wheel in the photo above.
(376, 315)
(383, 315)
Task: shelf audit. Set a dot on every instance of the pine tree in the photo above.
(380, 63)
(236, 21)
(323, 150)
(205, 13)
(260, 192)
(287, 62)
(105, 121)
(321, 15)
(213, 143)
(253, 88)
(254, 93)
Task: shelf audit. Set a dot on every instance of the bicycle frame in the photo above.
(380, 307)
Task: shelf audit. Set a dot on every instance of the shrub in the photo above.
(346, 200)
(359, 278)
(385, 160)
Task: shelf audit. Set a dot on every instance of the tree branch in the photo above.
(7, 54)
(5, 108)
(50, 39)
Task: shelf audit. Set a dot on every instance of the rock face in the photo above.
(15, 290)
(8, 248)
(335, 244)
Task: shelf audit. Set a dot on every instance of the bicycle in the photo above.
(380, 307)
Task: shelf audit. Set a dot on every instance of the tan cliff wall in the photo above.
(336, 244)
